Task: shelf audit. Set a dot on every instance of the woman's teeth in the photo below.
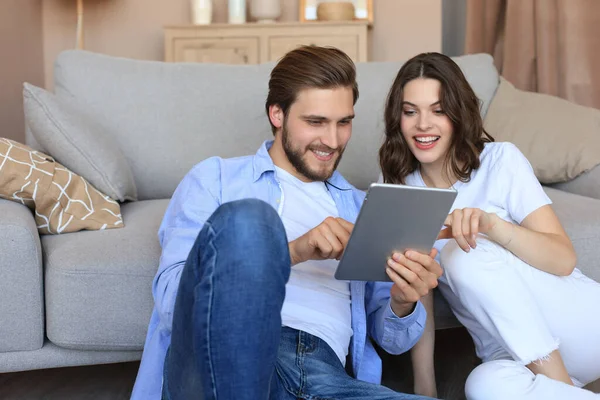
(427, 139)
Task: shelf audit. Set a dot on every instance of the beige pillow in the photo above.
(62, 200)
(560, 139)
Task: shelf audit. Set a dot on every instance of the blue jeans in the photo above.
(227, 341)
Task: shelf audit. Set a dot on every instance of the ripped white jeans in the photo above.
(517, 314)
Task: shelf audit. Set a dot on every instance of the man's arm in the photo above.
(413, 276)
(395, 334)
(194, 201)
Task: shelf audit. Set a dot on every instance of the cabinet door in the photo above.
(216, 50)
(279, 45)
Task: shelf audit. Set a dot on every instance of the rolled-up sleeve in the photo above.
(394, 334)
(194, 201)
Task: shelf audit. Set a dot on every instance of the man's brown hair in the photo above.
(309, 67)
(459, 103)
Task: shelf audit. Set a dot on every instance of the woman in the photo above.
(509, 267)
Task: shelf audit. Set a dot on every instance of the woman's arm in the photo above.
(540, 241)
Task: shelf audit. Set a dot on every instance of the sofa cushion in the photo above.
(560, 139)
(586, 184)
(53, 356)
(580, 216)
(62, 200)
(99, 283)
(101, 298)
(166, 117)
(78, 141)
(21, 280)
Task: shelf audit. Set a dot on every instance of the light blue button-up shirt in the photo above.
(216, 181)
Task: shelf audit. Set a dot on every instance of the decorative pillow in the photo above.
(560, 139)
(79, 142)
(62, 200)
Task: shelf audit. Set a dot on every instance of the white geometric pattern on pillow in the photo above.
(62, 200)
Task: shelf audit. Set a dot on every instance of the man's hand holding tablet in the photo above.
(414, 274)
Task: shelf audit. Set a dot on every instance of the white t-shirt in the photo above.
(504, 184)
(315, 302)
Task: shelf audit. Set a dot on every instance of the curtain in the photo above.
(546, 46)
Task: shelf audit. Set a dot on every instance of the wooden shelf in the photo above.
(256, 43)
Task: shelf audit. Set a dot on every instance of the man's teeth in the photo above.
(321, 153)
(427, 139)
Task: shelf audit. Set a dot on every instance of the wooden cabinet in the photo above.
(259, 43)
(278, 46)
(217, 50)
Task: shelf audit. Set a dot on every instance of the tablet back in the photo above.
(393, 218)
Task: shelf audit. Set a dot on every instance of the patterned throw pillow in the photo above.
(61, 200)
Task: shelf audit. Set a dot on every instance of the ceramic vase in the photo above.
(201, 12)
(237, 11)
(265, 11)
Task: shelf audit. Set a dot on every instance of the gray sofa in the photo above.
(85, 298)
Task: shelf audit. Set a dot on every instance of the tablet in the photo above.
(393, 218)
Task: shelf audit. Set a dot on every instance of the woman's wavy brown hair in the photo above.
(459, 103)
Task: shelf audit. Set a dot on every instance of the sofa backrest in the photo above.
(167, 117)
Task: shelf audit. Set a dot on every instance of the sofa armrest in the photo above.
(586, 184)
(21, 280)
(580, 216)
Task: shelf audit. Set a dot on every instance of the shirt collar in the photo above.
(262, 160)
(263, 163)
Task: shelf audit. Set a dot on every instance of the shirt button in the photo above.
(277, 200)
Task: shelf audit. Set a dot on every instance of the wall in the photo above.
(404, 28)
(22, 61)
(133, 28)
(34, 32)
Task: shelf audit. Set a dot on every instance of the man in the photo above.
(246, 303)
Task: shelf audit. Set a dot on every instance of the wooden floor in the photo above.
(98, 382)
(455, 358)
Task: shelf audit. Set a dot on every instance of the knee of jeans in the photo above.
(250, 227)
(256, 217)
(469, 269)
(247, 212)
(482, 382)
(457, 264)
(498, 380)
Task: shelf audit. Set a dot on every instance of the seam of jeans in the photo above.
(300, 363)
(303, 382)
(316, 343)
(285, 384)
(210, 276)
(311, 397)
(305, 338)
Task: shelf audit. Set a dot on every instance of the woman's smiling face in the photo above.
(426, 128)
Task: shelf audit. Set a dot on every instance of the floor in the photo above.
(455, 358)
(98, 382)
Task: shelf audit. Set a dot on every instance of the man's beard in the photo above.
(295, 155)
